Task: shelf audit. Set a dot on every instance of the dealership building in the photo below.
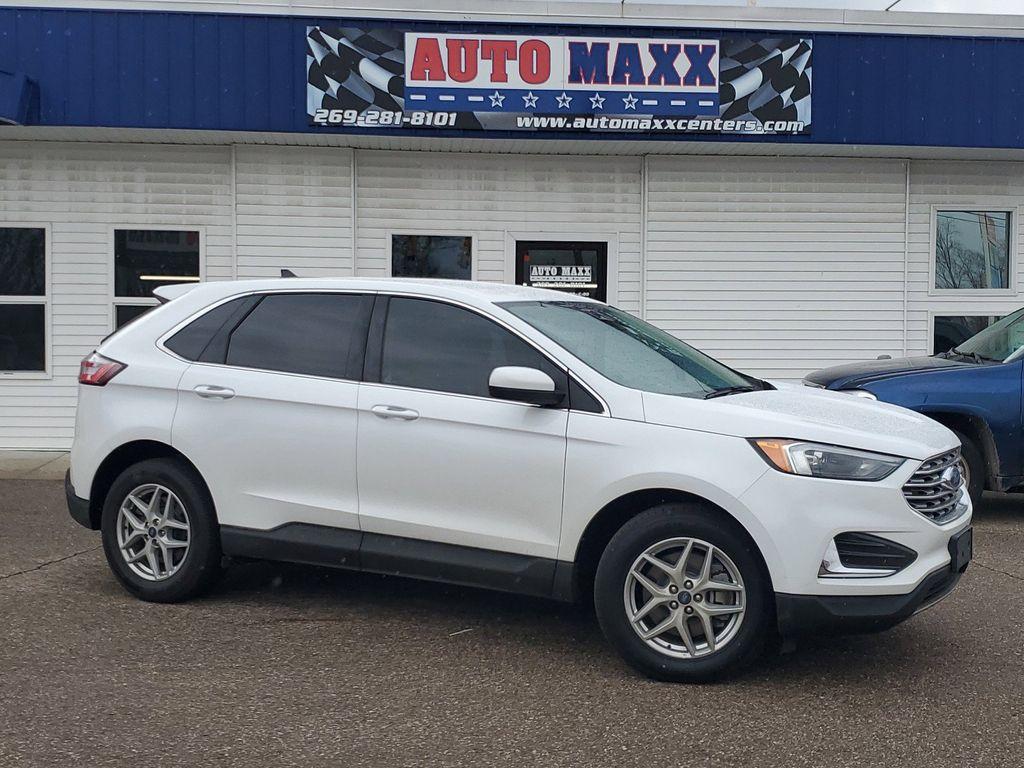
(785, 190)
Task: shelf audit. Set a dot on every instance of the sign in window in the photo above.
(573, 268)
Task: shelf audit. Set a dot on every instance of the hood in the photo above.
(804, 413)
(852, 374)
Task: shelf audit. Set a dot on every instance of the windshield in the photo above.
(1000, 341)
(629, 351)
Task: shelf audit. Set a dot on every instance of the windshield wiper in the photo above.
(974, 356)
(732, 391)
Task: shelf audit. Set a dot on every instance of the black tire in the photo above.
(683, 520)
(976, 470)
(201, 565)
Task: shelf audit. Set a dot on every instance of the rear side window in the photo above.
(316, 334)
(440, 347)
(192, 340)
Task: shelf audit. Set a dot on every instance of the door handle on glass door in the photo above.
(395, 412)
(214, 392)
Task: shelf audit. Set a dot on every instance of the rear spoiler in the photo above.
(166, 293)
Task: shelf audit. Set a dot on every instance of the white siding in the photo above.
(496, 199)
(82, 192)
(778, 266)
(294, 209)
(971, 186)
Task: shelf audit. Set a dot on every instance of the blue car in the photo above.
(974, 389)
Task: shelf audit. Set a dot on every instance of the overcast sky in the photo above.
(950, 6)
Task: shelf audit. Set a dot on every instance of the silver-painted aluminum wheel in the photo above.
(153, 532)
(685, 598)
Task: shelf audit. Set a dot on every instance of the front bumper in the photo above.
(850, 614)
(78, 508)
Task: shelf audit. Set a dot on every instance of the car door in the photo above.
(439, 458)
(269, 416)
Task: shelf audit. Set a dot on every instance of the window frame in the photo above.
(430, 232)
(142, 301)
(1011, 289)
(373, 355)
(45, 301)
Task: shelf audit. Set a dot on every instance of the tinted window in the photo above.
(22, 261)
(318, 334)
(145, 259)
(22, 337)
(441, 256)
(191, 340)
(436, 346)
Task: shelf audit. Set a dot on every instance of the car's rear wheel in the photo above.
(682, 594)
(160, 533)
(972, 467)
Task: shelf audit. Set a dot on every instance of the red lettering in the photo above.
(534, 62)
(427, 63)
(462, 60)
(498, 52)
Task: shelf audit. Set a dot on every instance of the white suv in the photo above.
(516, 439)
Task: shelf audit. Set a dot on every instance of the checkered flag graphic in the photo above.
(767, 79)
(351, 68)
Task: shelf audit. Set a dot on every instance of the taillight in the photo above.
(96, 370)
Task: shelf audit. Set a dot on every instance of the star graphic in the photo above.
(597, 101)
(497, 99)
(529, 100)
(563, 101)
(630, 101)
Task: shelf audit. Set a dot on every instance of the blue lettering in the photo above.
(700, 57)
(664, 71)
(588, 64)
(629, 68)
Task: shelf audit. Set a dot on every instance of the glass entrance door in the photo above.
(575, 268)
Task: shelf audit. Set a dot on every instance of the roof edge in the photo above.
(603, 12)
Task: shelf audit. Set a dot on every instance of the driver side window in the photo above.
(440, 347)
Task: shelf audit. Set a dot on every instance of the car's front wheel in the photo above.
(682, 595)
(160, 533)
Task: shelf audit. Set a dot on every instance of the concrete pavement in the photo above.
(286, 665)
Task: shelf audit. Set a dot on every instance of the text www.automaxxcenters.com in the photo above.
(643, 123)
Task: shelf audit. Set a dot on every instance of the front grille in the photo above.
(863, 550)
(934, 491)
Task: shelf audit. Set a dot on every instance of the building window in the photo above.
(950, 331)
(23, 299)
(972, 250)
(145, 259)
(442, 256)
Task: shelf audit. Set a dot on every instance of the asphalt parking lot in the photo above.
(285, 665)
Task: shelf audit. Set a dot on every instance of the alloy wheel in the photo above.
(685, 598)
(153, 532)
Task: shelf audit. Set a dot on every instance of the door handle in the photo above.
(213, 392)
(395, 412)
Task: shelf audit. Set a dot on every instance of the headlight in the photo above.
(826, 461)
(859, 393)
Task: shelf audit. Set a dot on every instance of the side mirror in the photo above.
(524, 385)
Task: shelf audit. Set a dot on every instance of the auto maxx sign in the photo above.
(385, 79)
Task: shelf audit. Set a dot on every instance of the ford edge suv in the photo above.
(515, 439)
